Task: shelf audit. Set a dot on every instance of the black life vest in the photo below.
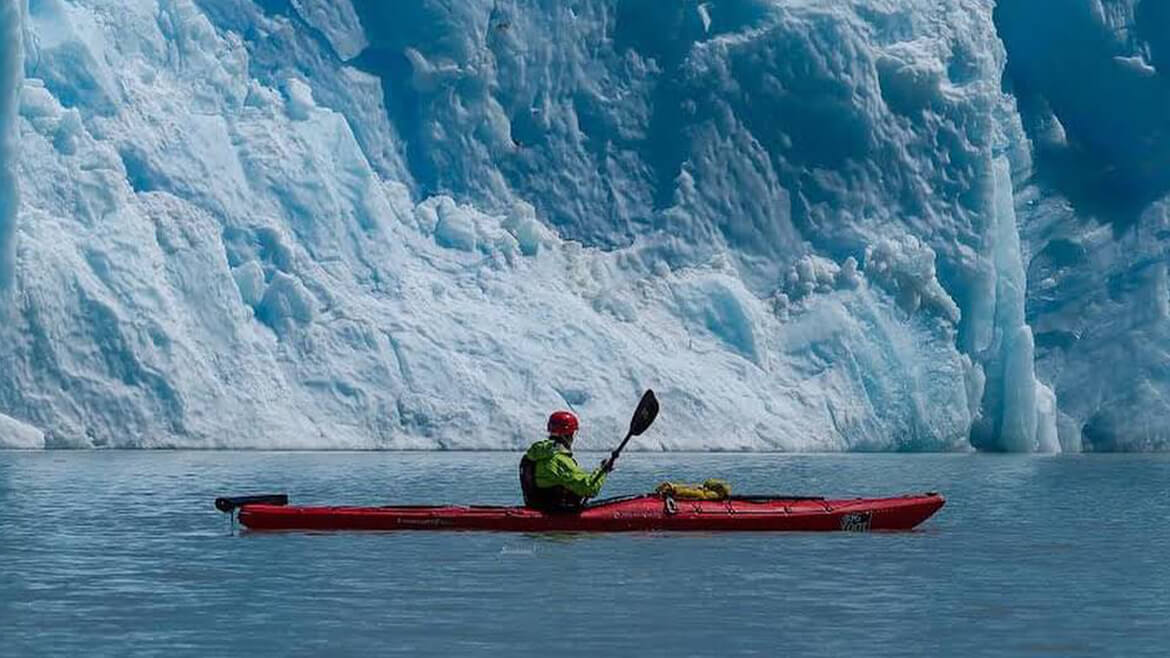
(546, 499)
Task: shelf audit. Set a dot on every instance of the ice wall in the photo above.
(11, 72)
(810, 226)
(761, 131)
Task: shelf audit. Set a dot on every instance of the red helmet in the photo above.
(562, 423)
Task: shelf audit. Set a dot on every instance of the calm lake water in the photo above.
(117, 553)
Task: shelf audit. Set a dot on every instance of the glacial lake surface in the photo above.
(120, 553)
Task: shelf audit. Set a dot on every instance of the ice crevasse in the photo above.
(879, 225)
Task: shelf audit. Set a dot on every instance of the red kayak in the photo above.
(649, 512)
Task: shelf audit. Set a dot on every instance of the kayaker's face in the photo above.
(565, 440)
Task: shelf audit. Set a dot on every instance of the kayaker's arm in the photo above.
(563, 471)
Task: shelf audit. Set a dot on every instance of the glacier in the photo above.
(809, 226)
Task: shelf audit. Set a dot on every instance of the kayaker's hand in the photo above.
(606, 465)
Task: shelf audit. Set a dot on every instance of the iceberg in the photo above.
(864, 225)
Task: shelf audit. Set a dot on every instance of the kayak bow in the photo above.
(650, 512)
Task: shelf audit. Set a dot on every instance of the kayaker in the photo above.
(550, 477)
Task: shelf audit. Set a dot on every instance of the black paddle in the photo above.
(644, 415)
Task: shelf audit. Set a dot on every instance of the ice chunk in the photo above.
(1047, 436)
(337, 20)
(300, 99)
(530, 234)
(455, 226)
(250, 279)
(70, 57)
(69, 131)
(910, 78)
(811, 274)
(849, 276)
(36, 102)
(905, 267)
(286, 300)
(260, 96)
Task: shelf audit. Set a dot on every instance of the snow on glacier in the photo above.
(334, 224)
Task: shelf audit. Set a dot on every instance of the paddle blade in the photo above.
(645, 414)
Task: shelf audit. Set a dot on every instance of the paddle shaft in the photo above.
(614, 455)
(644, 415)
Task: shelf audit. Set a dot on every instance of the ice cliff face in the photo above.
(1093, 96)
(809, 226)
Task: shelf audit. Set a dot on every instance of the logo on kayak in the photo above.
(422, 522)
(856, 522)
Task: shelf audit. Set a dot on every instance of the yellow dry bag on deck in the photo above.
(711, 489)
